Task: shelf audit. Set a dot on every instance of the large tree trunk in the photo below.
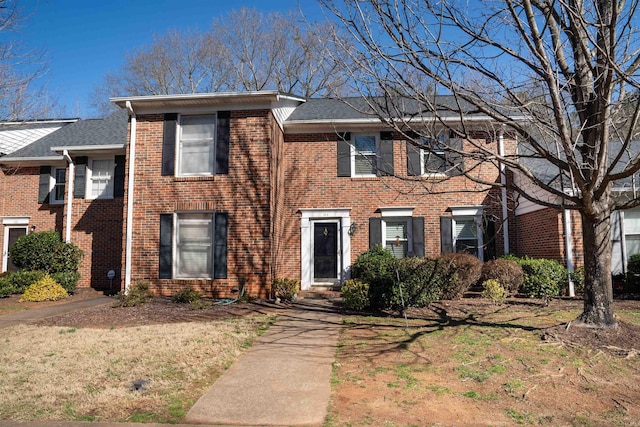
(598, 292)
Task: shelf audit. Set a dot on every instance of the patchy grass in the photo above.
(77, 374)
(472, 363)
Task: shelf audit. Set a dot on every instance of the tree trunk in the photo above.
(598, 292)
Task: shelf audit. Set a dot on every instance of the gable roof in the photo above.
(83, 135)
(15, 135)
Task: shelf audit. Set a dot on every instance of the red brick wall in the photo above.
(311, 182)
(244, 193)
(96, 224)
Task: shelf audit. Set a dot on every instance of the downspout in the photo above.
(568, 248)
(503, 182)
(71, 181)
(129, 224)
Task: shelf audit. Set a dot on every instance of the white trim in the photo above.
(89, 176)
(466, 210)
(5, 243)
(84, 148)
(408, 221)
(53, 180)
(179, 149)
(399, 211)
(354, 153)
(69, 205)
(342, 215)
(16, 220)
(131, 181)
(27, 161)
(313, 223)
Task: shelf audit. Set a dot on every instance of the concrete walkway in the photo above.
(284, 379)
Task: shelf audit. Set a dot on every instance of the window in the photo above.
(466, 236)
(396, 236)
(194, 243)
(364, 155)
(464, 230)
(59, 177)
(632, 231)
(100, 182)
(435, 160)
(196, 146)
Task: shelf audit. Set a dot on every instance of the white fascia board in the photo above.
(87, 148)
(396, 211)
(31, 161)
(40, 122)
(473, 210)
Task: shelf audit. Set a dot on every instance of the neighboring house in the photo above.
(15, 135)
(37, 194)
(228, 191)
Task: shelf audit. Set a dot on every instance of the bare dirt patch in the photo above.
(470, 362)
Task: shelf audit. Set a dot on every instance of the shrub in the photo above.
(46, 252)
(22, 279)
(377, 268)
(543, 278)
(45, 289)
(506, 272)
(467, 270)
(138, 295)
(421, 281)
(67, 279)
(286, 289)
(355, 294)
(632, 281)
(186, 295)
(6, 288)
(578, 280)
(493, 290)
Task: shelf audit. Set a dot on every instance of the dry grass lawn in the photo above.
(61, 373)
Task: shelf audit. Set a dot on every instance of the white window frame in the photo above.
(442, 139)
(409, 239)
(108, 194)
(53, 184)
(355, 152)
(179, 142)
(466, 213)
(177, 244)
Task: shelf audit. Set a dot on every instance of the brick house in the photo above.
(227, 191)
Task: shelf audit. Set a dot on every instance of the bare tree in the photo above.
(20, 69)
(557, 74)
(244, 50)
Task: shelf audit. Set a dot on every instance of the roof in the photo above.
(17, 134)
(89, 134)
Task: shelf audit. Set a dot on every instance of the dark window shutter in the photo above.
(118, 178)
(489, 238)
(413, 160)
(385, 167)
(375, 232)
(220, 245)
(456, 160)
(165, 249)
(169, 144)
(344, 154)
(80, 177)
(222, 142)
(417, 234)
(446, 235)
(43, 184)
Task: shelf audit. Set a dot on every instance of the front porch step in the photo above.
(321, 292)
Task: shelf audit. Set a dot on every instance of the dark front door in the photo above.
(14, 234)
(325, 251)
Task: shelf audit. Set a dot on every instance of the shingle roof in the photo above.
(110, 130)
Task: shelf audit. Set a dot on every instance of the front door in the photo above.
(11, 234)
(325, 252)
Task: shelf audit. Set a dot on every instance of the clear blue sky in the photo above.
(85, 39)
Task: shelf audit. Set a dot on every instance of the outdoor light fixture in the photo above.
(33, 228)
(352, 229)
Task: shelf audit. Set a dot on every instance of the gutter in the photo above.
(71, 182)
(129, 224)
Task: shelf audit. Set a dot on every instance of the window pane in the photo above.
(632, 244)
(198, 128)
(365, 165)
(398, 249)
(194, 246)
(434, 162)
(194, 261)
(468, 246)
(101, 174)
(60, 181)
(196, 158)
(465, 229)
(197, 134)
(365, 144)
(396, 230)
(632, 221)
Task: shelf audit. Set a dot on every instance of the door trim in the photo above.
(11, 223)
(308, 216)
(338, 254)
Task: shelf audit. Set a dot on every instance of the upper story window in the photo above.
(59, 178)
(100, 179)
(196, 145)
(364, 155)
(435, 159)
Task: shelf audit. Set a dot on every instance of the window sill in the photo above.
(365, 178)
(193, 178)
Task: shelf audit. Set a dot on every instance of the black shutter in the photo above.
(222, 142)
(220, 245)
(169, 144)
(385, 167)
(344, 154)
(417, 233)
(165, 249)
(118, 178)
(489, 238)
(43, 184)
(456, 160)
(446, 235)
(375, 232)
(80, 177)
(413, 160)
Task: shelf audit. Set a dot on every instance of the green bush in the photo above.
(22, 279)
(493, 290)
(355, 294)
(186, 295)
(67, 279)
(632, 281)
(45, 251)
(377, 268)
(421, 281)
(138, 295)
(6, 288)
(286, 289)
(506, 272)
(543, 278)
(467, 270)
(578, 280)
(45, 289)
